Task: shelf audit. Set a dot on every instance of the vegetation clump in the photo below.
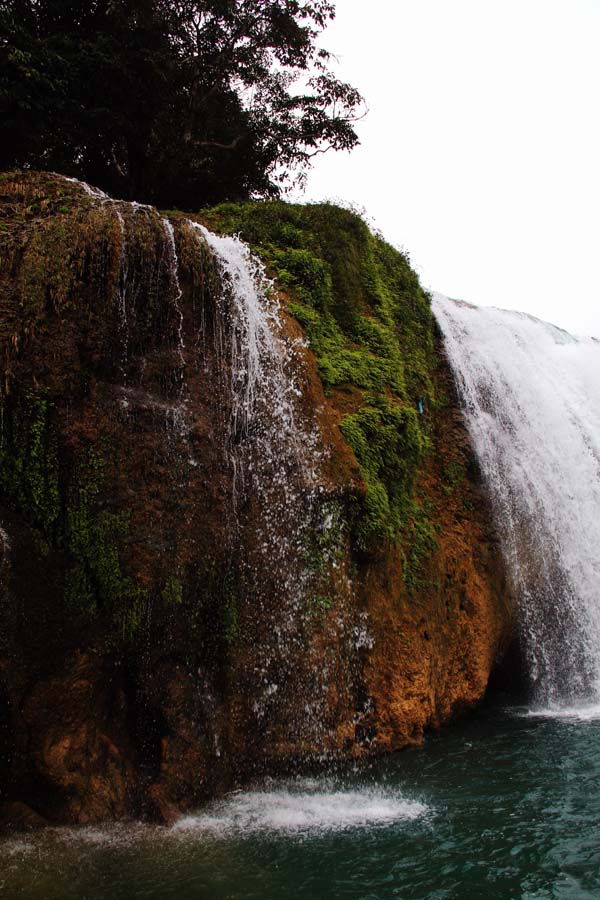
(176, 104)
(94, 581)
(29, 471)
(369, 324)
(389, 445)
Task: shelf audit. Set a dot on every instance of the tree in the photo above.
(174, 103)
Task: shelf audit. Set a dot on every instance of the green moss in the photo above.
(323, 537)
(309, 275)
(422, 542)
(172, 593)
(319, 606)
(389, 445)
(370, 326)
(95, 584)
(29, 461)
(453, 476)
(66, 511)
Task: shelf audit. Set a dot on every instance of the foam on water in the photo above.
(513, 811)
(303, 808)
(532, 403)
(586, 712)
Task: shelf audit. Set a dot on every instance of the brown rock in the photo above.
(142, 668)
(18, 816)
(159, 808)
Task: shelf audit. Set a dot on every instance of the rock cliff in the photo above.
(242, 526)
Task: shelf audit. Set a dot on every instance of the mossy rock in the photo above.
(370, 326)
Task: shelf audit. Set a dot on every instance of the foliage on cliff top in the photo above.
(171, 103)
(370, 326)
(366, 317)
(360, 303)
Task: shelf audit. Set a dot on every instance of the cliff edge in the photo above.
(242, 527)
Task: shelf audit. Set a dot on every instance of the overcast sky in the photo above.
(480, 155)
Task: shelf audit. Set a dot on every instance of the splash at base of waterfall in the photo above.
(500, 806)
(307, 806)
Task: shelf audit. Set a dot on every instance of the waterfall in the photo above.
(298, 631)
(175, 283)
(531, 397)
(280, 502)
(257, 356)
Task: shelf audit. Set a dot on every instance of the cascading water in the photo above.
(532, 404)
(278, 580)
(262, 386)
(277, 460)
(177, 292)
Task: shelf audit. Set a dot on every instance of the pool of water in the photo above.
(505, 805)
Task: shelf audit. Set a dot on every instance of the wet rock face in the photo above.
(84, 757)
(116, 497)
(183, 600)
(434, 649)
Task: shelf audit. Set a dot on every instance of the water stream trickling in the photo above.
(532, 403)
(262, 386)
(280, 504)
(279, 500)
(176, 285)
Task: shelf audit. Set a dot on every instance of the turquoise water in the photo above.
(504, 805)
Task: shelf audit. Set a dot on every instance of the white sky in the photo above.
(480, 155)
